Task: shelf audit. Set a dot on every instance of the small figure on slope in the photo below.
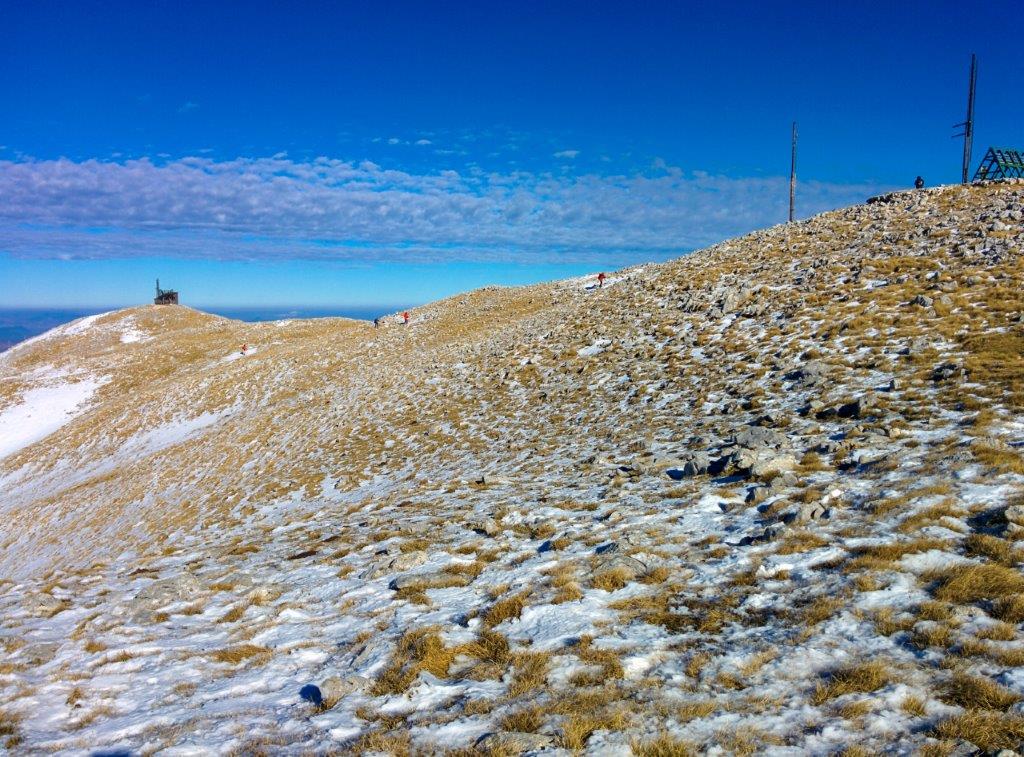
(405, 318)
(918, 183)
(600, 280)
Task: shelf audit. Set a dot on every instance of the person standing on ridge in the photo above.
(405, 318)
(376, 323)
(600, 280)
(918, 183)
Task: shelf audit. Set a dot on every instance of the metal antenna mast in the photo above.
(792, 177)
(968, 125)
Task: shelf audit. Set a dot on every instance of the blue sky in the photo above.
(390, 153)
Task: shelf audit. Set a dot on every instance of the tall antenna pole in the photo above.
(968, 125)
(792, 177)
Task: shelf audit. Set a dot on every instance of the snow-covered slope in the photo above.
(762, 498)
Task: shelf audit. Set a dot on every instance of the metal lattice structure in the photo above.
(165, 296)
(1001, 163)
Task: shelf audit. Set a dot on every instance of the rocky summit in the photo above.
(768, 497)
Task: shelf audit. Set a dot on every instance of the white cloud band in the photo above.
(270, 208)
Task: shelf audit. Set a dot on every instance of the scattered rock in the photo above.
(333, 689)
(44, 605)
(695, 464)
(165, 591)
(513, 742)
(628, 565)
(766, 469)
(758, 437)
(493, 479)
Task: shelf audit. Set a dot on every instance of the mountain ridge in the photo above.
(757, 498)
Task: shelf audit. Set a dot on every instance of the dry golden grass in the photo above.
(819, 610)
(10, 730)
(983, 728)
(612, 580)
(530, 671)
(395, 743)
(1001, 460)
(758, 661)
(977, 693)
(663, 745)
(234, 614)
(796, 542)
(1010, 609)
(962, 584)
(508, 608)
(931, 635)
(570, 592)
(856, 678)
(914, 706)
(241, 653)
(417, 650)
(998, 631)
(527, 720)
(995, 549)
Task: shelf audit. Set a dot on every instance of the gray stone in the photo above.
(923, 300)
(333, 689)
(44, 605)
(493, 479)
(695, 464)
(435, 580)
(630, 565)
(165, 591)
(399, 564)
(765, 469)
(808, 374)
(488, 527)
(1015, 514)
(38, 653)
(758, 437)
(504, 742)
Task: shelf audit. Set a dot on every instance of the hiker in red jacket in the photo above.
(405, 318)
(600, 280)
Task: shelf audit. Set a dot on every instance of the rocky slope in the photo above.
(766, 497)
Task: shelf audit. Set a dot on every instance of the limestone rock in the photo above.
(165, 591)
(513, 742)
(774, 465)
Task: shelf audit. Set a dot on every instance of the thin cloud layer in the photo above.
(276, 208)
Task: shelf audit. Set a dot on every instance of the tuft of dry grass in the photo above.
(417, 650)
(995, 549)
(796, 542)
(240, 653)
(663, 745)
(530, 672)
(819, 610)
(508, 608)
(977, 693)
(527, 720)
(973, 583)
(914, 706)
(612, 580)
(848, 679)
(1010, 609)
(985, 729)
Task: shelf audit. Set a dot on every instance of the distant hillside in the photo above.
(766, 497)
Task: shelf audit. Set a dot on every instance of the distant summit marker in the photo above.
(165, 296)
